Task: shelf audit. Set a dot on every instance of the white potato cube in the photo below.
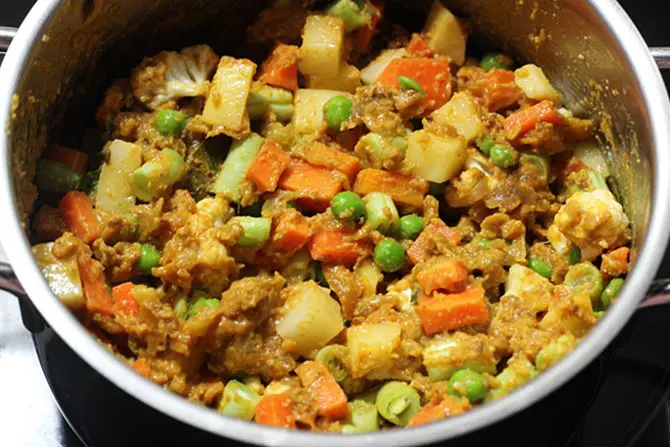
(308, 109)
(435, 158)
(115, 191)
(461, 112)
(372, 347)
(321, 50)
(346, 80)
(446, 35)
(534, 83)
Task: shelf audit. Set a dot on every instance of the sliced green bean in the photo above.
(485, 143)
(238, 401)
(336, 359)
(363, 417)
(56, 177)
(541, 164)
(397, 402)
(255, 230)
(585, 278)
(611, 292)
(381, 212)
(575, 255)
(541, 266)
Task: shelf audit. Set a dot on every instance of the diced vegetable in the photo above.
(419, 251)
(446, 36)
(369, 276)
(226, 106)
(336, 111)
(56, 177)
(97, 295)
(443, 356)
(436, 411)
(268, 166)
(62, 275)
(291, 233)
(77, 211)
(181, 307)
(202, 301)
(520, 123)
(418, 45)
(240, 158)
(372, 347)
(433, 75)
(316, 186)
(503, 156)
(347, 79)
(308, 110)
(362, 37)
(585, 278)
(363, 417)
(411, 226)
(354, 14)
(462, 113)
(406, 191)
(322, 45)
(278, 100)
(450, 275)
(374, 70)
(611, 292)
(554, 351)
(330, 400)
(150, 257)
(320, 154)
(124, 301)
(495, 60)
(468, 383)
(276, 410)
(75, 160)
(256, 230)
(485, 143)
(534, 83)
(389, 255)
(348, 205)
(114, 193)
(381, 212)
(310, 317)
(615, 262)
(540, 163)
(519, 370)
(541, 266)
(526, 283)
(397, 402)
(435, 158)
(154, 176)
(169, 122)
(443, 312)
(238, 401)
(332, 246)
(280, 69)
(574, 255)
(336, 359)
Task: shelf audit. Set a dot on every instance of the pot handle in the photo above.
(7, 34)
(32, 320)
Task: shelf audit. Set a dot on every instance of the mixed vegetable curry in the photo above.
(367, 228)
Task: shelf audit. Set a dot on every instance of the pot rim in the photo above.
(75, 335)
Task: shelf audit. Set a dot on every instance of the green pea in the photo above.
(467, 383)
(200, 304)
(337, 110)
(541, 266)
(397, 402)
(348, 205)
(335, 358)
(170, 122)
(575, 255)
(485, 143)
(495, 60)
(503, 156)
(410, 84)
(364, 417)
(612, 291)
(150, 257)
(389, 255)
(411, 226)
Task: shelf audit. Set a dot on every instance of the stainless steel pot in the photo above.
(59, 62)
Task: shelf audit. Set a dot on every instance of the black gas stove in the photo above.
(621, 399)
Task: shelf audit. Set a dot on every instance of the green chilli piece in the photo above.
(407, 83)
(56, 177)
(317, 274)
(233, 173)
(348, 205)
(170, 122)
(255, 230)
(612, 291)
(467, 383)
(153, 176)
(389, 255)
(574, 255)
(541, 164)
(541, 266)
(381, 212)
(397, 402)
(495, 60)
(411, 226)
(336, 111)
(503, 156)
(485, 143)
(354, 14)
(335, 358)
(201, 303)
(363, 417)
(585, 278)
(238, 401)
(150, 257)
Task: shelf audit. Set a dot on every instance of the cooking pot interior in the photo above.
(88, 43)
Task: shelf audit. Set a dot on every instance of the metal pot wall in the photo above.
(67, 50)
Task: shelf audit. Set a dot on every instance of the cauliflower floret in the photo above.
(215, 208)
(169, 75)
(593, 220)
